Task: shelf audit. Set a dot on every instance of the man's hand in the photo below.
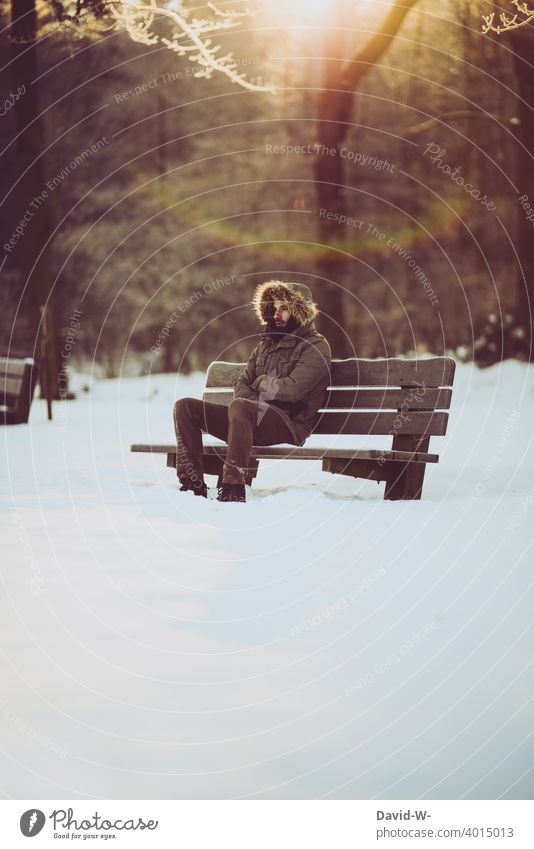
(266, 395)
(311, 369)
(243, 387)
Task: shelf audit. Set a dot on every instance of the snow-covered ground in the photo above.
(316, 642)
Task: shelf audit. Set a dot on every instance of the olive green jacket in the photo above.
(290, 372)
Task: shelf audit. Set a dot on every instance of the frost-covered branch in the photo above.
(189, 36)
(505, 22)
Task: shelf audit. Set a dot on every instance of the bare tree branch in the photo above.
(189, 36)
(523, 16)
(455, 115)
(361, 63)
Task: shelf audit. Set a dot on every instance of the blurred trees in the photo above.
(27, 206)
(188, 183)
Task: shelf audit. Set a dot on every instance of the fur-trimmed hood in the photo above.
(297, 296)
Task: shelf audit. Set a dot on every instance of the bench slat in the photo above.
(437, 371)
(276, 452)
(381, 424)
(10, 386)
(434, 372)
(367, 399)
(13, 368)
(409, 423)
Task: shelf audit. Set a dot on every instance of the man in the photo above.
(276, 398)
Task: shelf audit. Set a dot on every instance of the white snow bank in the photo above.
(315, 642)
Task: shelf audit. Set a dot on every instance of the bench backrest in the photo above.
(17, 384)
(403, 398)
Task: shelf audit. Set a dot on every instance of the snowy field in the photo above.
(316, 642)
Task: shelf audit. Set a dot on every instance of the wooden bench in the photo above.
(18, 377)
(406, 399)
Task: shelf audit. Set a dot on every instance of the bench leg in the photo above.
(253, 471)
(405, 482)
(212, 465)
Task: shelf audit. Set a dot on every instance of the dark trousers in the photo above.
(242, 424)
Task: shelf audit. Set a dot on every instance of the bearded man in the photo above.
(276, 398)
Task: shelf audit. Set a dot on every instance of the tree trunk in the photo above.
(523, 45)
(329, 190)
(340, 82)
(30, 200)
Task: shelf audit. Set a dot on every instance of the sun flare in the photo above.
(313, 13)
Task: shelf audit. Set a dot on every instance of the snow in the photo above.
(316, 642)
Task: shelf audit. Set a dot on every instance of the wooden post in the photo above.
(406, 482)
(46, 357)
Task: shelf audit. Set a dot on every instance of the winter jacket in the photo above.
(289, 371)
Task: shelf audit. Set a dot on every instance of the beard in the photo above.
(273, 330)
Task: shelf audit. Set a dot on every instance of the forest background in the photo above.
(166, 198)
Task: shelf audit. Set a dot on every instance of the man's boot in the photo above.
(231, 492)
(199, 488)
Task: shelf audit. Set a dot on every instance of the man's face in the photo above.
(281, 313)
